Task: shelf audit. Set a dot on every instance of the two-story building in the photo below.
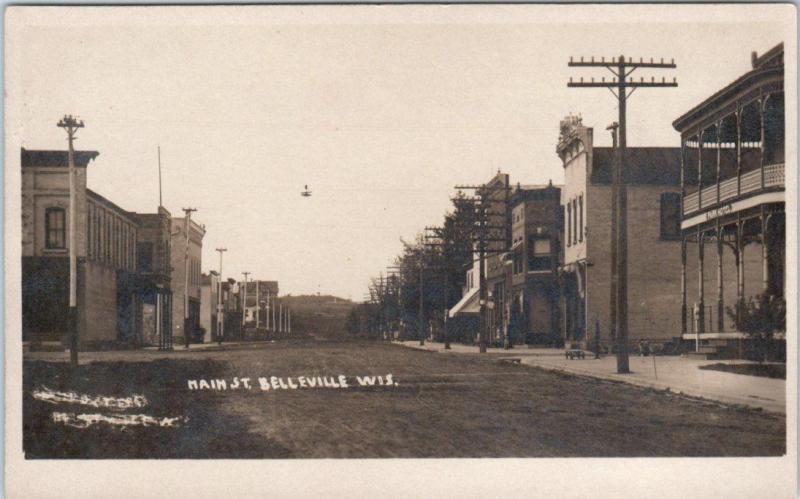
(652, 176)
(732, 199)
(154, 266)
(186, 259)
(533, 306)
(106, 236)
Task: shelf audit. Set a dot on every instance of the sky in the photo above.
(380, 110)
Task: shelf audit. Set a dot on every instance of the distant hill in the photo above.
(322, 315)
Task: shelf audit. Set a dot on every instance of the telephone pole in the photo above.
(244, 301)
(71, 125)
(186, 220)
(613, 127)
(486, 236)
(622, 87)
(220, 308)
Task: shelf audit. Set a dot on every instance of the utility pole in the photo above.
(244, 301)
(483, 238)
(266, 319)
(187, 218)
(613, 294)
(421, 303)
(258, 305)
(220, 308)
(160, 199)
(619, 86)
(274, 315)
(71, 125)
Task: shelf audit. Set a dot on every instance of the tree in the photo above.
(760, 318)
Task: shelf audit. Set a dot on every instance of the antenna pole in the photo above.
(160, 200)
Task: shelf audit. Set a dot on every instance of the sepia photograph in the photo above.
(540, 247)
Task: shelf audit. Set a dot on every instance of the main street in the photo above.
(457, 405)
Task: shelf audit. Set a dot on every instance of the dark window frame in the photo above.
(49, 230)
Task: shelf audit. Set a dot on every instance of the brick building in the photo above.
(154, 266)
(533, 305)
(186, 258)
(732, 201)
(653, 228)
(106, 236)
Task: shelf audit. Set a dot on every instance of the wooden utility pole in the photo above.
(613, 294)
(619, 86)
(71, 125)
(244, 301)
(220, 308)
(483, 238)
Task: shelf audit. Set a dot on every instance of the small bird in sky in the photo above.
(305, 193)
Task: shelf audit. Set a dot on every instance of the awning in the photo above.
(469, 304)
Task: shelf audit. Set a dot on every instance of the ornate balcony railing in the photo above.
(774, 176)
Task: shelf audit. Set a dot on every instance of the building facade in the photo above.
(186, 259)
(154, 266)
(653, 242)
(496, 194)
(533, 305)
(209, 303)
(732, 199)
(106, 236)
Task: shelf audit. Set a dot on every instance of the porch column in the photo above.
(719, 158)
(738, 116)
(739, 261)
(720, 299)
(701, 302)
(765, 249)
(700, 170)
(761, 103)
(683, 287)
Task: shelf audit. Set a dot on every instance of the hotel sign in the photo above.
(718, 212)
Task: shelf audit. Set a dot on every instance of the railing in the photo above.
(690, 203)
(774, 176)
(751, 181)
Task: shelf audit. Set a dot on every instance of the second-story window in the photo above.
(55, 228)
(575, 221)
(580, 217)
(569, 224)
(539, 257)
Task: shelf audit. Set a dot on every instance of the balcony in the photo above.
(731, 188)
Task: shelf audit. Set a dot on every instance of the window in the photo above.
(569, 224)
(107, 243)
(575, 221)
(670, 215)
(55, 228)
(539, 257)
(145, 257)
(517, 262)
(580, 217)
